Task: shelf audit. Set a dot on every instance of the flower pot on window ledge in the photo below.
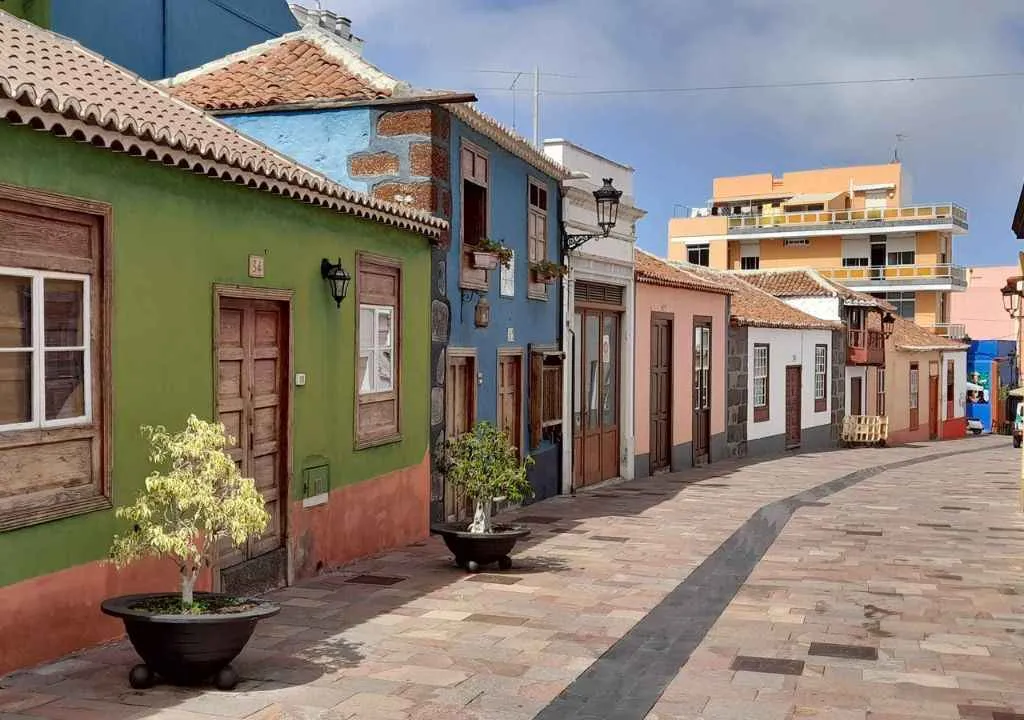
(485, 260)
(543, 279)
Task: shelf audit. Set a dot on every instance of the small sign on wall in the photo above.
(256, 266)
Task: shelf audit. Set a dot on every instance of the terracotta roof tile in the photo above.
(653, 271)
(756, 308)
(805, 282)
(311, 65)
(913, 338)
(55, 84)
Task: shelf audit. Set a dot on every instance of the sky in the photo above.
(962, 140)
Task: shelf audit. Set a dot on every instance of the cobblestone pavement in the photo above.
(854, 584)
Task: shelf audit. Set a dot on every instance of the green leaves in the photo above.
(195, 499)
(486, 465)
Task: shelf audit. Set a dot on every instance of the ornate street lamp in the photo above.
(337, 276)
(1011, 297)
(888, 323)
(607, 199)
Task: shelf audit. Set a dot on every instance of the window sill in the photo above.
(377, 442)
(761, 418)
(27, 517)
(465, 284)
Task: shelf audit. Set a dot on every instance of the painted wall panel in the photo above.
(824, 308)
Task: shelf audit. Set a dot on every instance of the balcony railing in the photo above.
(865, 347)
(950, 212)
(953, 275)
(953, 331)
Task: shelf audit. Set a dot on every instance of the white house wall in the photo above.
(823, 308)
(959, 385)
(862, 373)
(788, 347)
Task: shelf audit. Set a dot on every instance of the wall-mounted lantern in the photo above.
(607, 199)
(338, 277)
(1011, 297)
(482, 314)
(888, 323)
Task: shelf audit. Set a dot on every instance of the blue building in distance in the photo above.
(495, 327)
(991, 365)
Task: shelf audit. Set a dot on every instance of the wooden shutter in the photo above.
(536, 399)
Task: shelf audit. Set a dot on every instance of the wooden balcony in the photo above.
(865, 347)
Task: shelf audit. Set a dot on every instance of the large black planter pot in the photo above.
(186, 649)
(474, 550)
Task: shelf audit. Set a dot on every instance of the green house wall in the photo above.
(175, 234)
(36, 11)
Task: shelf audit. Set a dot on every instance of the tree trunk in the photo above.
(188, 582)
(481, 517)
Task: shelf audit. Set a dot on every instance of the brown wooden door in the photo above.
(661, 392)
(793, 400)
(460, 414)
(701, 392)
(510, 397)
(252, 386)
(596, 436)
(856, 395)
(933, 407)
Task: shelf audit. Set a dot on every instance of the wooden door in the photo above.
(793, 401)
(933, 407)
(661, 392)
(460, 414)
(856, 396)
(596, 362)
(510, 397)
(252, 355)
(701, 392)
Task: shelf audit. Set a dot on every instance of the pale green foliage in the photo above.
(195, 499)
(486, 465)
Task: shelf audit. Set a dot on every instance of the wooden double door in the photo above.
(596, 396)
(252, 390)
(794, 397)
(661, 392)
(701, 441)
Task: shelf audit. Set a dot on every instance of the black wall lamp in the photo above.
(607, 198)
(888, 323)
(338, 277)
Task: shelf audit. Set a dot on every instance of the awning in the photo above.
(811, 199)
(759, 196)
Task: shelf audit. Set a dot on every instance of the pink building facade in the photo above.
(980, 307)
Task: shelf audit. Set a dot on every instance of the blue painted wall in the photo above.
(159, 38)
(322, 140)
(981, 358)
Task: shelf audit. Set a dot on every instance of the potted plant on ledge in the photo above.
(545, 271)
(487, 467)
(197, 502)
(487, 254)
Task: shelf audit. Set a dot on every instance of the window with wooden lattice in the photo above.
(546, 409)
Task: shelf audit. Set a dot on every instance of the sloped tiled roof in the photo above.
(913, 338)
(653, 271)
(311, 65)
(52, 83)
(753, 307)
(805, 282)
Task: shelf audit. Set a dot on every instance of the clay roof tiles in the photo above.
(805, 282)
(913, 338)
(311, 65)
(55, 84)
(653, 271)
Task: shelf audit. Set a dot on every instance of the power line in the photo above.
(776, 85)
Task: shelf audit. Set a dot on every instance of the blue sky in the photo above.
(963, 138)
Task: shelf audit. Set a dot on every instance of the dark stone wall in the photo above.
(737, 384)
(838, 376)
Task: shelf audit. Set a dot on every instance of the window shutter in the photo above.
(536, 398)
(599, 293)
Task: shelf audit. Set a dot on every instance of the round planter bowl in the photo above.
(186, 649)
(474, 550)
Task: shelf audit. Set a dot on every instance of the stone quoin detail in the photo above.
(428, 160)
(423, 194)
(405, 122)
(380, 163)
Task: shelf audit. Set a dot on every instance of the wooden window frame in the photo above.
(761, 412)
(537, 388)
(469, 354)
(15, 511)
(880, 390)
(536, 290)
(950, 387)
(507, 352)
(393, 432)
(914, 392)
(821, 403)
(485, 183)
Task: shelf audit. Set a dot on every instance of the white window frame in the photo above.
(915, 388)
(375, 348)
(761, 380)
(39, 349)
(820, 371)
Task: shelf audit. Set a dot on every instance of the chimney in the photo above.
(344, 28)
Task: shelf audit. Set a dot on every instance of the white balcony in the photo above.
(896, 278)
(948, 216)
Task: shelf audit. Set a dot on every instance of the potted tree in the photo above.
(487, 468)
(195, 501)
(487, 254)
(545, 271)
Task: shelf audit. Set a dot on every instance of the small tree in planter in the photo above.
(486, 467)
(196, 500)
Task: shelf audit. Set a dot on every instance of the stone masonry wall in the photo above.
(737, 385)
(838, 383)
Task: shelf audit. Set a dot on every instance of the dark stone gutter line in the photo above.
(627, 680)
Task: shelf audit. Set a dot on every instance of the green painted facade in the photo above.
(36, 11)
(175, 234)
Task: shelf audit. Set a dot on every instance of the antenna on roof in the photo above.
(900, 137)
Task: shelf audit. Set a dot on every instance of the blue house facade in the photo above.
(495, 330)
(990, 367)
(158, 38)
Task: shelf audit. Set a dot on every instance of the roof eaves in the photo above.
(508, 139)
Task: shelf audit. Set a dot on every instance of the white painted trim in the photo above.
(700, 239)
(884, 286)
(316, 500)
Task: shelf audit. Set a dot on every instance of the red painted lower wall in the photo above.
(357, 520)
(52, 615)
(899, 437)
(953, 429)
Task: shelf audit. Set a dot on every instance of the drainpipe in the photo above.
(163, 39)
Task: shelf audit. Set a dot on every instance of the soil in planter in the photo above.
(170, 605)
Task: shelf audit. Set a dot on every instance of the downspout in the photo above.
(163, 39)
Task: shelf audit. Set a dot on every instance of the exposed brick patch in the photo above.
(428, 160)
(424, 194)
(405, 122)
(442, 125)
(379, 163)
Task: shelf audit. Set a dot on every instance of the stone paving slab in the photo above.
(939, 605)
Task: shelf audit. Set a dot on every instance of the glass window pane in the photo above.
(384, 328)
(609, 346)
(365, 372)
(366, 317)
(15, 312)
(385, 367)
(591, 359)
(577, 369)
(15, 387)
(62, 308)
(65, 384)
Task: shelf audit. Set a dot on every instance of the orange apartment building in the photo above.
(854, 225)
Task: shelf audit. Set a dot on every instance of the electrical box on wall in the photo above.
(316, 481)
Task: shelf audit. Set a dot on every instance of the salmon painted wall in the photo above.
(683, 304)
(811, 181)
(980, 307)
(897, 398)
(820, 253)
(712, 226)
(926, 308)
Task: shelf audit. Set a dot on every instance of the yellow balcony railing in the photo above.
(902, 215)
(858, 275)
